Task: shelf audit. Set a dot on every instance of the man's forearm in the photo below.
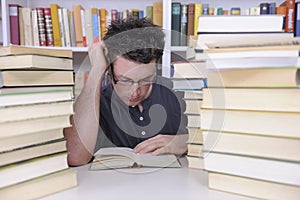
(81, 137)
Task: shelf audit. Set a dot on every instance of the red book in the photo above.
(48, 25)
(14, 24)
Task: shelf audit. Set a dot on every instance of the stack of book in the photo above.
(249, 119)
(190, 78)
(36, 98)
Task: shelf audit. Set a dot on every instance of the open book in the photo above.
(122, 157)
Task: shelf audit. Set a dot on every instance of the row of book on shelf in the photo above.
(248, 138)
(36, 98)
(185, 17)
(58, 26)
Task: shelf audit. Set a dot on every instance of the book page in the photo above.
(115, 152)
(149, 160)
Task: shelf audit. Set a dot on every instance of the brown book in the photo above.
(191, 12)
(157, 13)
(78, 25)
(289, 18)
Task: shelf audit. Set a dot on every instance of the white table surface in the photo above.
(143, 184)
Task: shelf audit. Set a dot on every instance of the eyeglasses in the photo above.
(129, 82)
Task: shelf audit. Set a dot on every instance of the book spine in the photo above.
(41, 26)
(21, 26)
(264, 8)
(95, 25)
(198, 13)
(55, 25)
(114, 14)
(157, 13)
(297, 20)
(14, 24)
(89, 27)
(175, 24)
(77, 25)
(83, 23)
(49, 29)
(191, 12)
(35, 29)
(61, 27)
(103, 22)
(66, 26)
(289, 20)
(73, 37)
(28, 35)
(149, 12)
(183, 28)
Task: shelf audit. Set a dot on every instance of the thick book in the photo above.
(189, 70)
(195, 162)
(252, 145)
(11, 142)
(195, 136)
(195, 150)
(47, 185)
(33, 151)
(33, 111)
(192, 106)
(226, 40)
(276, 124)
(240, 23)
(12, 78)
(263, 99)
(33, 168)
(122, 157)
(32, 95)
(21, 50)
(193, 121)
(255, 78)
(18, 128)
(252, 167)
(252, 187)
(35, 61)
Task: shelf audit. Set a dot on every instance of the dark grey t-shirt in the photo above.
(125, 126)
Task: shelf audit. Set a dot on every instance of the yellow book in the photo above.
(55, 25)
(198, 12)
(157, 13)
(103, 22)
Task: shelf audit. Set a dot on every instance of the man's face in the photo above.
(133, 80)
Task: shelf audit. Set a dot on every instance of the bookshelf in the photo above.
(124, 4)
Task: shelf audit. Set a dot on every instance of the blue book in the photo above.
(297, 20)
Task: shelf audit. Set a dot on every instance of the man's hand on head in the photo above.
(163, 144)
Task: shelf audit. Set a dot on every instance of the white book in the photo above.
(241, 23)
(27, 22)
(66, 26)
(251, 167)
(35, 29)
(61, 26)
(89, 27)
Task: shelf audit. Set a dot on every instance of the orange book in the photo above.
(289, 17)
(103, 22)
(157, 13)
(55, 25)
(78, 25)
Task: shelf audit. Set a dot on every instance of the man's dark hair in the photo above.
(138, 40)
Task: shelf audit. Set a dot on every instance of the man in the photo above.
(138, 109)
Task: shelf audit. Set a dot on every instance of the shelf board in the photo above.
(179, 48)
(74, 49)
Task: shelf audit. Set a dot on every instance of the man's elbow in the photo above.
(74, 161)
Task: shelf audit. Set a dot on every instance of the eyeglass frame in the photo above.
(112, 74)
